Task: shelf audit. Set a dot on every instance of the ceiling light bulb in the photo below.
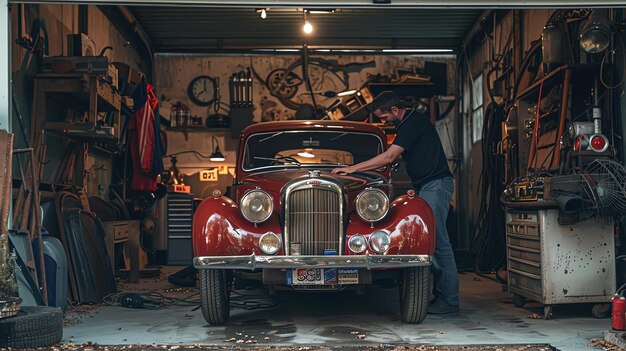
(263, 14)
(308, 27)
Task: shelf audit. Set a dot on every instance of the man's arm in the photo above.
(375, 162)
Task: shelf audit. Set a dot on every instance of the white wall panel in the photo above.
(4, 65)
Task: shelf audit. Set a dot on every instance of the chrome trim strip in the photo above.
(368, 261)
(323, 183)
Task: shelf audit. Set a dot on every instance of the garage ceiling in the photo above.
(205, 30)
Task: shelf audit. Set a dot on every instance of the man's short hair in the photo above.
(385, 101)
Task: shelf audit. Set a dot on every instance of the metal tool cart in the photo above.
(559, 264)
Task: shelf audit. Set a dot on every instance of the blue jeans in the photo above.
(438, 194)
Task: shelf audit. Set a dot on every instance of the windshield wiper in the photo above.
(338, 136)
(271, 136)
(284, 159)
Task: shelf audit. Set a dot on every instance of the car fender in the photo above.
(410, 223)
(219, 229)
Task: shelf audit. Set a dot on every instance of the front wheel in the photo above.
(414, 294)
(215, 295)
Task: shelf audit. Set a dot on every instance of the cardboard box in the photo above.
(128, 78)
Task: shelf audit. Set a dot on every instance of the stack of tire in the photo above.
(33, 326)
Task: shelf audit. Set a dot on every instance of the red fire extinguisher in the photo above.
(618, 320)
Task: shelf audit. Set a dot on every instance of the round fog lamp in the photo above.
(269, 243)
(379, 242)
(357, 243)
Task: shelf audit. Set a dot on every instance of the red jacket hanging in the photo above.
(142, 138)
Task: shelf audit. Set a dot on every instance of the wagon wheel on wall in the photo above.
(285, 101)
(282, 84)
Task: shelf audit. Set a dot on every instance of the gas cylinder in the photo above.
(618, 322)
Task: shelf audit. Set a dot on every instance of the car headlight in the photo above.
(257, 206)
(269, 243)
(372, 205)
(357, 243)
(379, 242)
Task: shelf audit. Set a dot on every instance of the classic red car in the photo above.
(295, 225)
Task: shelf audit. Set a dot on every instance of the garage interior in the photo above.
(527, 104)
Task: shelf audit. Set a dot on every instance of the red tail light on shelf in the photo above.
(581, 143)
(594, 142)
(577, 144)
(599, 143)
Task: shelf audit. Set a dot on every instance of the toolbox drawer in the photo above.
(524, 243)
(529, 283)
(524, 253)
(525, 266)
(523, 223)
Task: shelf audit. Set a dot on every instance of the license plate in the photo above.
(322, 276)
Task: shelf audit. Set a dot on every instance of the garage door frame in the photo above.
(483, 4)
(5, 69)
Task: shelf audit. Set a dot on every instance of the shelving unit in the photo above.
(543, 110)
(87, 96)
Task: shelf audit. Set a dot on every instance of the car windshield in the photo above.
(306, 148)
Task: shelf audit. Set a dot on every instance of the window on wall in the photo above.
(477, 108)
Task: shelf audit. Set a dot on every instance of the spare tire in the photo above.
(33, 326)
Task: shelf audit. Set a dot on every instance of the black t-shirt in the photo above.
(423, 153)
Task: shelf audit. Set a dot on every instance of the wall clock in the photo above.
(202, 90)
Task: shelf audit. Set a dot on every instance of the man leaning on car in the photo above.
(419, 144)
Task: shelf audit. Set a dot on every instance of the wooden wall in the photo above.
(174, 72)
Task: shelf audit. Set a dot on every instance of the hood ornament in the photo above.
(314, 173)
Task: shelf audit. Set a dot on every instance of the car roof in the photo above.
(313, 124)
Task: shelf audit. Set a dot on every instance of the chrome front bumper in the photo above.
(368, 261)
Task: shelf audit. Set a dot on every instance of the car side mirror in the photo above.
(395, 166)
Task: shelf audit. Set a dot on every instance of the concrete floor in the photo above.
(487, 317)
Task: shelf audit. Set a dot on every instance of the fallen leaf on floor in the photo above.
(535, 316)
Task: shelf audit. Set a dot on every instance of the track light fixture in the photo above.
(263, 12)
(217, 155)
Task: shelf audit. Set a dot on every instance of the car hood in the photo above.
(273, 181)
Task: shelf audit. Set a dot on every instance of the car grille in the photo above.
(314, 220)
